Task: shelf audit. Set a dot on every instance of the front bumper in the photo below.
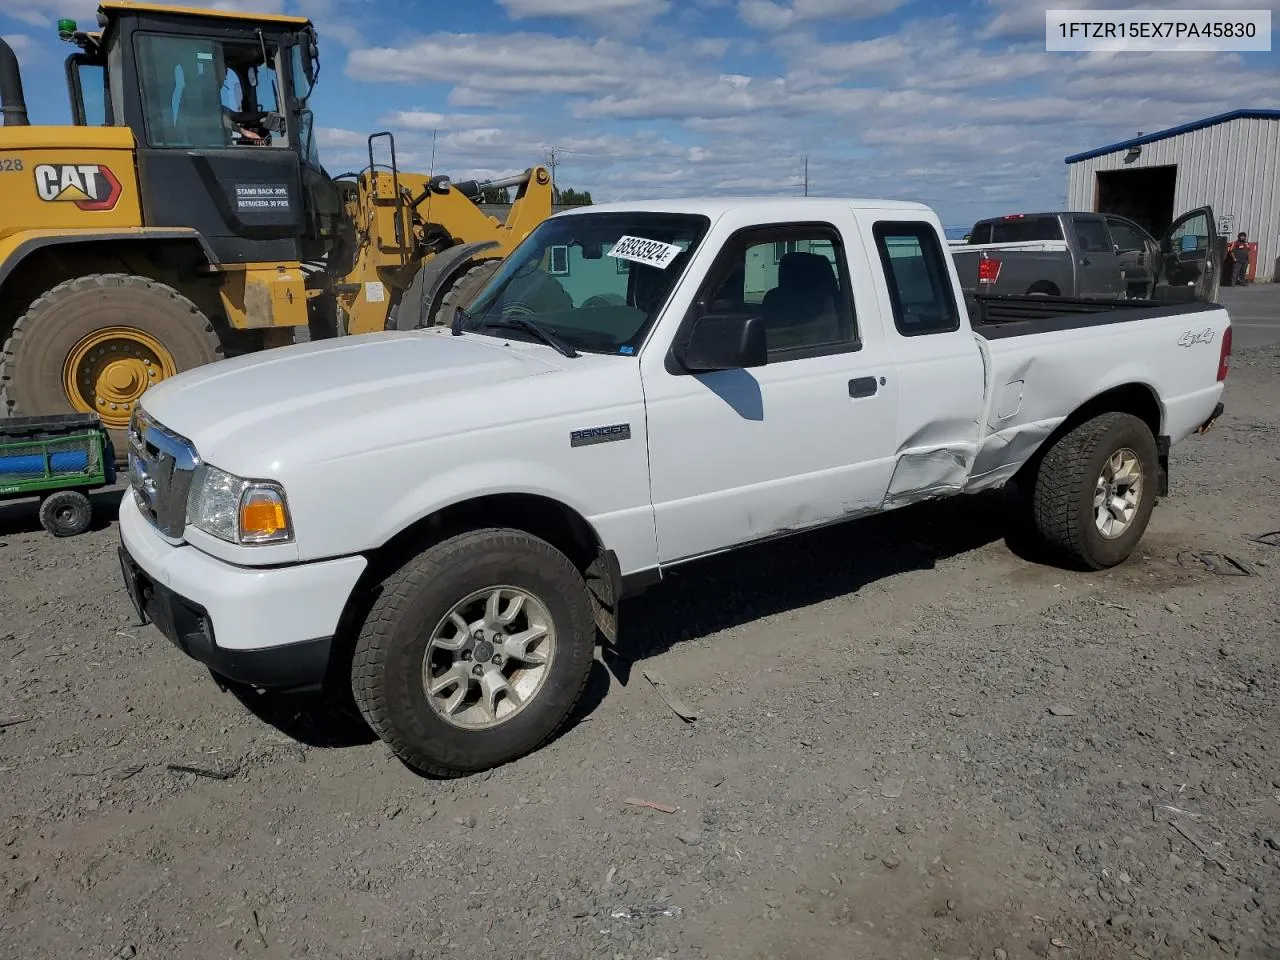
(269, 627)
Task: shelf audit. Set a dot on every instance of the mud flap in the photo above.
(1162, 472)
(604, 580)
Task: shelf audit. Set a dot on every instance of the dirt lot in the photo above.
(910, 742)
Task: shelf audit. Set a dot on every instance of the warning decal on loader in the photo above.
(652, 253)
(258, 197)
(90, 186)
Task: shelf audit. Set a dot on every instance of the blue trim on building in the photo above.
(1174, 131)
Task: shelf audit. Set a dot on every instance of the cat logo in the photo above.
(90, 186)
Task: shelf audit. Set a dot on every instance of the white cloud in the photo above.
(332, 23)
(1025, 18)
(773, 15)
(336, 138)
(598, 10)
(931, 112)
(19, 43)
(428, 120)
(45, 13)
(515, 63)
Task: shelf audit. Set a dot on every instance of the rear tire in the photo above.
(1095, 490)
(66, 513)
(133, 316)
(406, 649)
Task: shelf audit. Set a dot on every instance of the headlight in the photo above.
(238, 510)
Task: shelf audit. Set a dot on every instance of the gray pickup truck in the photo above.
(1091, 255)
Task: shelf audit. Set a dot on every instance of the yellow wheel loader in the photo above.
(184, 216)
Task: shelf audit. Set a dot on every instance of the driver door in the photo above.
(1190, 252)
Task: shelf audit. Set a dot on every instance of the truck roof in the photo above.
(764, 206)
(1029, 216)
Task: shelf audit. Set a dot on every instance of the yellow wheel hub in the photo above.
(107, 371)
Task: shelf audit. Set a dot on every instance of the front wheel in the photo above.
(475, 652)
(1095, 490)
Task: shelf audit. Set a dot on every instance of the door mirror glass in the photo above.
(1189, 243)
(725, 342)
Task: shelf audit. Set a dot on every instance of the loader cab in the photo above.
(217, 102)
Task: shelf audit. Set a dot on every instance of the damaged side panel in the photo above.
(927, 475)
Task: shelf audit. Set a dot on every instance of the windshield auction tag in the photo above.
(652, 253)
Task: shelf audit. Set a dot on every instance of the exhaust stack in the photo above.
(12, 101)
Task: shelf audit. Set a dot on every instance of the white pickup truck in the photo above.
(446, 519)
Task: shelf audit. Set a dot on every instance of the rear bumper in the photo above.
(268, 627)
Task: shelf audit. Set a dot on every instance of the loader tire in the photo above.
(112, 336)
(410, 314)
(1095, 490)
(464, 290)
(451, 701)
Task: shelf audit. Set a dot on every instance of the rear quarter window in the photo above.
(915, 269)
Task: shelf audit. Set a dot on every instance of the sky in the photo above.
(956, 104)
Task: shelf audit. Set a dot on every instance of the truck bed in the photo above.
(1047, 356)
(995, 317)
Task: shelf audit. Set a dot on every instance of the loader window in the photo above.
(597, 281)
(207, 94)
(87, 85)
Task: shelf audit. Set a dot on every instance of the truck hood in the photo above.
(267, 401)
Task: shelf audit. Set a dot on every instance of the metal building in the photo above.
(1230, 162)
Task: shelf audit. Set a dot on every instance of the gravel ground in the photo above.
(910, 742)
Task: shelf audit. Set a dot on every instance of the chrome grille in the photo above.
(162, 467)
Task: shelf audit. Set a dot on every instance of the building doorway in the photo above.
(1144, 195)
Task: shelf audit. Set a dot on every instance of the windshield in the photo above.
(595, 280)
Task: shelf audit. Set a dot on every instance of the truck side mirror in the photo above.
(724, 342)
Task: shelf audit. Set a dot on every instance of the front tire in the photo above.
(475, 652)
(1095, 490)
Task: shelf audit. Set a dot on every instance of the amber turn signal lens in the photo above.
(263, 517)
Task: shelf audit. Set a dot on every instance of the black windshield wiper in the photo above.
(528, 326)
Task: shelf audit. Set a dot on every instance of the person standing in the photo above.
(1239, 254)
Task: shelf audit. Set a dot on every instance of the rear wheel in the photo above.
(475, 652)
(95, 344)
(1095, 490)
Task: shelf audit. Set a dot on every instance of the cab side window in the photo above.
(795, 277)
(1092, 237)
(1126, 236)
(915, 270)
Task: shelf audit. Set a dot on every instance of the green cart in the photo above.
(60, 459)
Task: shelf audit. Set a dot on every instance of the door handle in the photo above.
(862, 387)
(1084, 261)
